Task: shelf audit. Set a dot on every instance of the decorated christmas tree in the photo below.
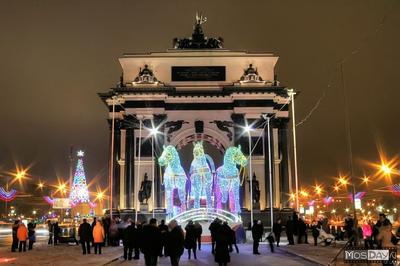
(79, 191)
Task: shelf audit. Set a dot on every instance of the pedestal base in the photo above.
(144, 207)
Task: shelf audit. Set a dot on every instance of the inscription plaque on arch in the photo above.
(198, 73)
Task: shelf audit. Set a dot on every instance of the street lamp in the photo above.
(248, 130)
(153, 134)
(291, 94)
(270, 172)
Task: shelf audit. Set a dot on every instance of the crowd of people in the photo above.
(21, 234)
(155, 240)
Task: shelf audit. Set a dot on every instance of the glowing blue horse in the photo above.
(201, 176)
(174, 179)
(228, 181)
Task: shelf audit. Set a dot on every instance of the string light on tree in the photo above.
(79, 191)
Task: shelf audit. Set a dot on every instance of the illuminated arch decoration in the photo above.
(174, 180)
(201, 136)
(7, 196)
(206, 214)
(227, 185)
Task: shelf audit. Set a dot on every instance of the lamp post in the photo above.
(248, 131)
(153, 134)
(291, 95)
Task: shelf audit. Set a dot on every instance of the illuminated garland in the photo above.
(79, 191)
(7, 196)
(49, 200)
(174, 178)
(358, 195)
(327, 200)
(228, 181)
(200, 176)
(395, 189)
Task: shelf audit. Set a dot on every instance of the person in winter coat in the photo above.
(85, 235)
(367, 234)
(128, 238)
(113, 233)
(214, 226)
(174, 243)
(290, 230)
(164, 230)
(31, 234)
(222, 240)
(14, 244)
(137, 239)
(22, 235)
(277, 229)
(98, 237)
(190, 239)
(385, 238)
(315, 231)
(302, 231)
(233, 239)
(56, 230)
(199, 232)
(50, 229)
(257, 231)
(151, 242)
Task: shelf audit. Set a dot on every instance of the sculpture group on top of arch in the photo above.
(219, 188)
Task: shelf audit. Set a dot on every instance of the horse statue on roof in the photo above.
(174, 179)
(201, 175)
(228, 181)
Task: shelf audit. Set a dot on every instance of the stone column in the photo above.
(284, 165)
(122, 192)
(129, 167)
(115, 158)
(267, 163)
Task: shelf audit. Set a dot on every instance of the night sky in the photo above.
(56, 55)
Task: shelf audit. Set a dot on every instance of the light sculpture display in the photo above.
(201, 176)
(223, 184)
(79, 191)
(7, 196)
(174, 179)
(228, 181)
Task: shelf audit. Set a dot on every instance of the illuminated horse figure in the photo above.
(201, 175)
(228, 181)
(174, 178)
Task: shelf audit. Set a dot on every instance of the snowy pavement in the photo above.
(60, 255)
(244, 258)
(71, 255)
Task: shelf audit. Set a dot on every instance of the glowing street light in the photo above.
(248, 130)
(386, 169)
(40, 185)
(153, 134)
(100, 196)
(20, 175)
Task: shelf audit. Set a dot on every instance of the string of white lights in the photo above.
(343, 60)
